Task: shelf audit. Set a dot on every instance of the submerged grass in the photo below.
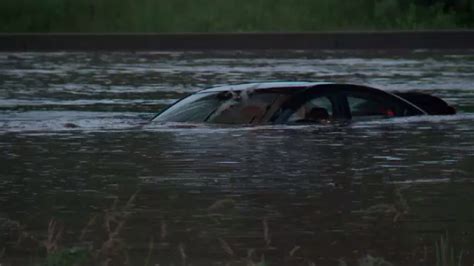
(101, 242)
(105, 254)
(445, 255)
(230, 15)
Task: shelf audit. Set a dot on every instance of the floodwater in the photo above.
(83, 173)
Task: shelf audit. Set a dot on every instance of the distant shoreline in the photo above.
(380, 40)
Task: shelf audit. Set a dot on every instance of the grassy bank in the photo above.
(104, 241)
(231, 15)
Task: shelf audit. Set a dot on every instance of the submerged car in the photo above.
(299, 102)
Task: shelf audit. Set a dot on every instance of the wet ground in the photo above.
(82, 172)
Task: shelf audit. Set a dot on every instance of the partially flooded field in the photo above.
(86, 179)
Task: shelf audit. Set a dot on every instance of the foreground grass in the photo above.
(101, 242)
(231, 15)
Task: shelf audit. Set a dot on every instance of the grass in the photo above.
(445, 255)
(72, 256)
(111, 249)
(230, 15)
(373, 261)
(100, 240)
(108, 254)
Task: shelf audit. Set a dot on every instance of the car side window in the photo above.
(321, 102)
(243, 109)
(316, 108)
(361, 106)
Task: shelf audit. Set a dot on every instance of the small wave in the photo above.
(413, 120)
(421, 181)
(60, 121)
(82, 102)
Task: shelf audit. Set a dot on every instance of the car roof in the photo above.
(265, 85)
(299, 85)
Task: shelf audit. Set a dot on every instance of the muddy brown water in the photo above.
(76, 149)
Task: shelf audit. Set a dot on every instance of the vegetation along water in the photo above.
(231, 15)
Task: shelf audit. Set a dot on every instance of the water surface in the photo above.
(76, 148)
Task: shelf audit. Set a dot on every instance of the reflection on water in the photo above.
(75, 147)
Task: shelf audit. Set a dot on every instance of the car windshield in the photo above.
(194, 108)
(225, 107)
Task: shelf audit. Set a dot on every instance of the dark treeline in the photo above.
(463, 9)
(232, 15)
